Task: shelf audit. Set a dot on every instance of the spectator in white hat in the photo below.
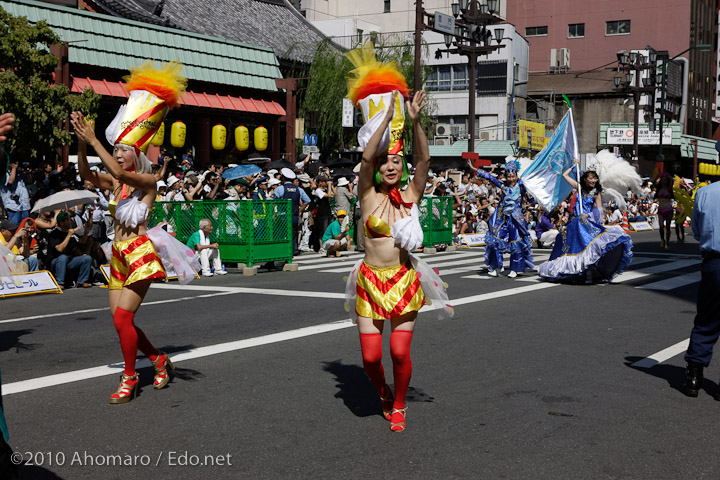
(161, 190)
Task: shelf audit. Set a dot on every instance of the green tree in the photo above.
(327, 87)
(27, 90)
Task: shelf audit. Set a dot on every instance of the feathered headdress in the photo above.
(153, 92)
(370, 87)
(616, 175)
(512, 166)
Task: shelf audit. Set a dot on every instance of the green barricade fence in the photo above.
(248, 231)
(436, 217)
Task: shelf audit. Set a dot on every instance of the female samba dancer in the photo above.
(135, 261)
(384, 260)
(665, 197)
(508, 230)
(585, 245)
(389, 283)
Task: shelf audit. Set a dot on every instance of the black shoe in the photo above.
(693, 379)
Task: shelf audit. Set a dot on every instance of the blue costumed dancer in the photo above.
(508, 230)
(586, 247)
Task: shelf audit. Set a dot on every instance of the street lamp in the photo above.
(471, 38)
(633, 64)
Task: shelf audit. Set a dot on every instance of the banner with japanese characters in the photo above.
(28, 283)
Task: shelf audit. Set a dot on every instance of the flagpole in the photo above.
(577, 173)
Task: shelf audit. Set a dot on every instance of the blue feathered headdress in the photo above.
(512, 166)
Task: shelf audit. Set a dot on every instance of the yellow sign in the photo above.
(537, 130)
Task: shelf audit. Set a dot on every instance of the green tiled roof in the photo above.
(705, 147)
(105, 41)
(484, 148)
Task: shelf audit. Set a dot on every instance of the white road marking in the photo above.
(90, 310)
(103, 370)
(254, 291)
(674, 282)
(662, 355)
(644, 272)
(460, 261)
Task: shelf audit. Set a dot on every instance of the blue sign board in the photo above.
(313, 139)
(306, 139)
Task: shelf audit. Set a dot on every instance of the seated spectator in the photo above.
(482, 225)
(547, 239)
(544, 224)
(200, 241)
(336, 237)
(65, 252)
(613, 217)
(17, 240)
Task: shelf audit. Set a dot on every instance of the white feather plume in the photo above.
(610, 194)
(616, 173)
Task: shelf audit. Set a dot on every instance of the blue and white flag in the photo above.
(543, 178)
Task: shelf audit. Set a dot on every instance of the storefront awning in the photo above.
(194, 99)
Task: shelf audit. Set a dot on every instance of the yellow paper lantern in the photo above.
(177, 134)
(701, 169)
(242, 138)
(219, 136)
(159, 137)
(261, 138)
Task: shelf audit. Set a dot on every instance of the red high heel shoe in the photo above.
(127, 389)
(397, 424)
(160, 364)
(387, 399)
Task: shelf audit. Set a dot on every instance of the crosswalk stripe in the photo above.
(644, 272)
(460, 261)
(674, 282)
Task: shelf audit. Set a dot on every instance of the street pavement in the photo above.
(529, 380)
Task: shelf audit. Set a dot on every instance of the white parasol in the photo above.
(64, 200)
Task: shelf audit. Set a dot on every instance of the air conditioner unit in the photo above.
(442, 129)
(457, 129)
(444, 141)
(484, 136)
(564, 60)
(553, 57)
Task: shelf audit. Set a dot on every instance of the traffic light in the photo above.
(358, 118)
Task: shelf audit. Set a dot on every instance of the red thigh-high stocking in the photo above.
(131, 338)
(402, 365)
(371, 346)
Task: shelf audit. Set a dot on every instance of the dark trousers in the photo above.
(319, 227)
(295, 228)
(707, 320)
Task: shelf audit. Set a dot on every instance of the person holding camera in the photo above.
(15, 194)
(65, 251)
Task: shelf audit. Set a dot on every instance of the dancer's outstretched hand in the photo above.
(83, 129)
(417, 104)
(6, 121)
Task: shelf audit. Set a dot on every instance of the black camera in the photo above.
(15, 197)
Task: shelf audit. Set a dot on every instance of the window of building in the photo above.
(359, 35)
(431, 82)
(387, 6)
(444, 78)
(448, 78)
(460, 77)
(617, 27)
(576, 30)
(536, 31)
(491, 78)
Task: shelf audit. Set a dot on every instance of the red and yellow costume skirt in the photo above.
(134, 260)
(388, 292)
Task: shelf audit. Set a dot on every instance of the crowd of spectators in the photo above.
(69, 242)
